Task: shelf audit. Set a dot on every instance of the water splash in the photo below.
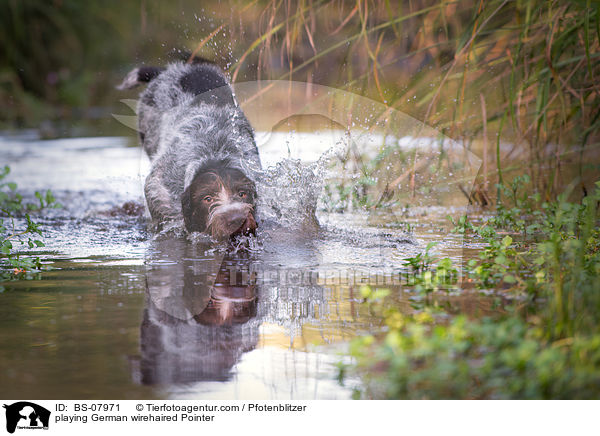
(289, 192)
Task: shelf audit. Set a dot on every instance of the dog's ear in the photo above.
(193, 217)
(140, 75)
(187, 209)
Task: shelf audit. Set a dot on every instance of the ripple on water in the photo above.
(162, 316)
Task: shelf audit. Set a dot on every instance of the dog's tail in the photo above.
(141, 75)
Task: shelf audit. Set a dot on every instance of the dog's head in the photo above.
(219, 201)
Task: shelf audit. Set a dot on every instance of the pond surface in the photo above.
(125, 314)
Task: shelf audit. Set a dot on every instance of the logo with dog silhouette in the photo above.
(26, 415)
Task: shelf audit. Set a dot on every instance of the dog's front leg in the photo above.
(160, 204)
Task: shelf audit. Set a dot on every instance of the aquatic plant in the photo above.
(555, 259)
(546, 346)
(14, 236)
(428, 274)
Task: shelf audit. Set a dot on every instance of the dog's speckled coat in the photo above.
(188, 118)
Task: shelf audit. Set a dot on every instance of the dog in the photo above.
(204, 159)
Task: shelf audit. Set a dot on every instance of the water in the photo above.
(123, 314)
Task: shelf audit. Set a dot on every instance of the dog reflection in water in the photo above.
(230, 303)
(195, 329)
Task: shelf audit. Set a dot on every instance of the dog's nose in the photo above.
(235, 220)
(247, 227)
(231, 220)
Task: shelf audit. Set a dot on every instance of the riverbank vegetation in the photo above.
(545, 258)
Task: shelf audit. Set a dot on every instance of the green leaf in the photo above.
(501, 259)
(49, 197)
(539, 260)
(380, 293)
(4, 171)
(431, 245)
(445, 263)
(365, 291)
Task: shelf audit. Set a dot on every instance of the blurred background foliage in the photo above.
(485, 72)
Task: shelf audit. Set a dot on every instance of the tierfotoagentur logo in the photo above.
(26, 415)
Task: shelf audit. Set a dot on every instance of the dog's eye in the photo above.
(207, 199)
(242, 194)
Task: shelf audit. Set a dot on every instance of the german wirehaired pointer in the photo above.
(204, 157)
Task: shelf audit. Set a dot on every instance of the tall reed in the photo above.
(534, 63)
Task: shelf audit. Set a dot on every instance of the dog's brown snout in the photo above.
(243, 225)
(235, 219)
(249, 225)
(232, 219)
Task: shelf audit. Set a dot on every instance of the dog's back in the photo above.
(169, 88)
